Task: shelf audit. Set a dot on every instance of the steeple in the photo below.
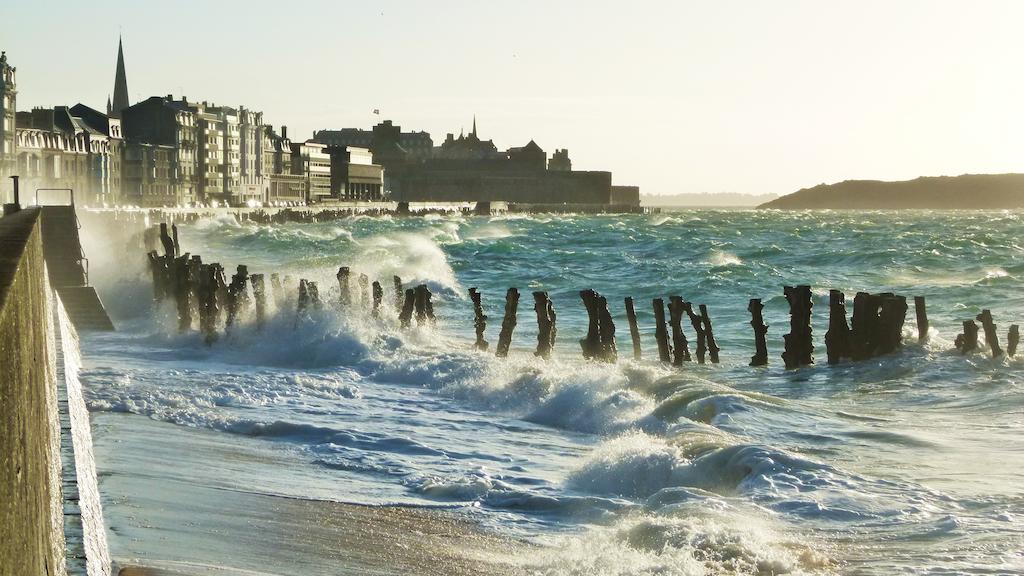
(120, 101)
(474, 124)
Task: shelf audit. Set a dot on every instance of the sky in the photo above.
(676, 97)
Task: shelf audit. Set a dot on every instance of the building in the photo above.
(469, 147)
(250, 160)
(354, 176)
(8, 117)
(415, 145)
(105, 167)
(280, 185)
(311, 161)
(61, 149)
(161, 159)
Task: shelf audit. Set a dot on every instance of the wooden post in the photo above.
(922, 319)
(709, 334)
(181, 272)
(760, 357)
(166, 241)
(968, 341)
(344, 295)
(634, 330)
(837, 339)
(891, 318)
(479, 319)
(237, 295)
(378, 295)
(591, 345)
(174, 240)
(314, 295)
(799, 347)
(259, 292)
(1012, 338)
(364, 290)
(405, 316)
(508, 324)
(399, 292)
(545, 324)
(698, 329)
(606, 329)
(156, 267)
(681, 348)
(302, 304)
(208, 311)
(660, 331)
(991, 336)
(865, 316)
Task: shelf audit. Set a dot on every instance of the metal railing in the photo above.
(71, 194)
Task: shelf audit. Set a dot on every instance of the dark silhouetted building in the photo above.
(8, 117)
(354, 176)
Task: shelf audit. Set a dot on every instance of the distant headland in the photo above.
(965, 192)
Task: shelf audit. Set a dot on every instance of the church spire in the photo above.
(120, 101)
(474, 124)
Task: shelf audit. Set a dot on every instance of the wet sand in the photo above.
(171, 513)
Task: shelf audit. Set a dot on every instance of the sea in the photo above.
(909, 463)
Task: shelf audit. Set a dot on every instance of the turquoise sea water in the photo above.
(909, 463)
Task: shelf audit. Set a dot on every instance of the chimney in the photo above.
(284, 132)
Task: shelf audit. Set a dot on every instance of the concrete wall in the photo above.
(31, 516)
(528, 187)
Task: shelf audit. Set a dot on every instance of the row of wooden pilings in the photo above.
(875, 327)
(202, 290)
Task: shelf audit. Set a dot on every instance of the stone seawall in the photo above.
(31, 515)
(51, 523)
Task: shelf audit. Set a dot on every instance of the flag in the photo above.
(376, 111)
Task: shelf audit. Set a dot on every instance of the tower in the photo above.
(120, 101)
(8, 107)
(474, 124)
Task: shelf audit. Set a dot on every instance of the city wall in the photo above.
(31, 515)
(51, 522)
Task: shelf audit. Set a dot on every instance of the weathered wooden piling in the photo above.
(991, 336)
(174, 241)
(1012, 339)
(378, 296)
(479, 319)
(799, 347)
(709, 334)
(591, 344)
(922, 318)
(259, 292)
(606, 328)
(698, 330)
(399, 292)
(968, 340)
(166, 241)
(546, 330)
(760, 357)
(344, 290)
(508, 323)
(864, 326)
(661, 331)
(208, 310)
(837, 338)
(314, 295)
(680, 347)
(157, 269)
(634, 329)
(181, 278)
(302, 304)
(409, 304)
(891, 317)
(423, 306)
(364, 291)
(237, 295)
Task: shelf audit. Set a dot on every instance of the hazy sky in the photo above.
(715, 96)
